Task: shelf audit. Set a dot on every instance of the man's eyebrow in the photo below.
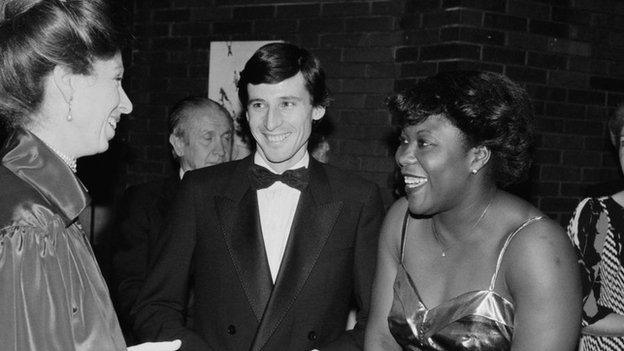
(291, 97)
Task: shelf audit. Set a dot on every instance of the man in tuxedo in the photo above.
(200, 134)
(278, 246)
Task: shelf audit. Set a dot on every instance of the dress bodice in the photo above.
(475, 320)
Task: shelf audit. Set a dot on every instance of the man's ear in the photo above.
(178, 145)
(480, 157)
(318, 112)
(64, 80)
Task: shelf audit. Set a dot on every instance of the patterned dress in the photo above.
(597, 230)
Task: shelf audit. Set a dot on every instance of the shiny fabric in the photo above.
(475, 320)
(52, 294)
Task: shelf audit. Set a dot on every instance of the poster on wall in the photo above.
(227, 60)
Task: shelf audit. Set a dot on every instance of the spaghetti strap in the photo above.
(403, 235)
(502, 252)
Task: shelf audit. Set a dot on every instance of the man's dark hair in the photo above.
(276, 62)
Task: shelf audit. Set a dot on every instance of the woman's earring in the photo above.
(474, 171)
(69, 116)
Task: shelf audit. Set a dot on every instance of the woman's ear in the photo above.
(63, 80)
(480, 157)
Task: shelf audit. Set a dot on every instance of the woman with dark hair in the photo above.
(61, 94)
(464, 265)
(597, 230)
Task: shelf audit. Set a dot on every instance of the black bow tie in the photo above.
(261, 177)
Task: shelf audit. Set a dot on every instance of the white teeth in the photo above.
(112, 122)
(414, 182)
(277, 138)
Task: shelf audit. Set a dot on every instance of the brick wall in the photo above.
(568, 54)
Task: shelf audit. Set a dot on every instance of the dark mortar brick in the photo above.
(586, 97)
(254, 12)
(422, 5)
(603, 83)
(418, 69)
(525, 74)
(440, 18)
(552, 29)
(407, 54)
(568, 15)
(487, 5)
(529, 9)
(550, 61)
(503, 55)
(369, 24)
(505, 22)
(448, 51)
(541, 92)
(566, 111)
(171, 15)
(344, 9)
(298, 11)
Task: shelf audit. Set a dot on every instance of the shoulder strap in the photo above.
(403, 235)
(502, 252)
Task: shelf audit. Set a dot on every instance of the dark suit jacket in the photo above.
(141, 217)
(214, 238)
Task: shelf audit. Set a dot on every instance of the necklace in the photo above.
(439, 239)
(70, 162)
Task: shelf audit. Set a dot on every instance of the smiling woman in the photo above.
(61, 95)
(462, 264)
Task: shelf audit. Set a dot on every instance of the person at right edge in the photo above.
(278, 246)
(463, 264)
(597, 231)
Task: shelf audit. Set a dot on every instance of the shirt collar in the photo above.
(304, 162)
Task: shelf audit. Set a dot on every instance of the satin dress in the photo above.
(476, 320)
(52, 294)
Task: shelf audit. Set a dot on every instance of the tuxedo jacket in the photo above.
(214, 238)
(140, 220)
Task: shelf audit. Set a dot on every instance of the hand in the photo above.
(157, 346)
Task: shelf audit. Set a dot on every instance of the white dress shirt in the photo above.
(277, 205)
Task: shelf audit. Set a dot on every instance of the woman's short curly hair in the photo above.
(488, 108)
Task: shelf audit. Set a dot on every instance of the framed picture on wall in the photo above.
(227, 60)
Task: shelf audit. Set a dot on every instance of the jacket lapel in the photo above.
(243, 237)
(313, 223)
